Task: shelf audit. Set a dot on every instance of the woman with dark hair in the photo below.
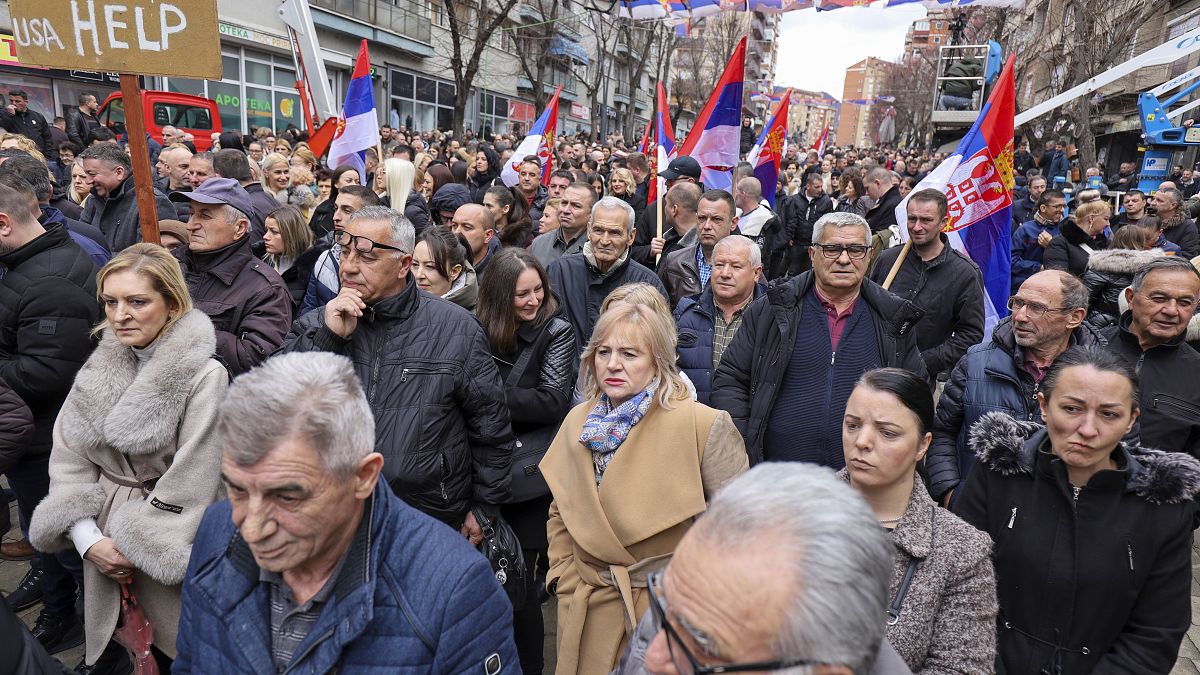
(484, 173)
(231, 140)
(460, 170)
(510, 216)
(534, 350)
(853, 196)
(1093, 536)
(290, 250)
(440, 267)
(597, 183)
(943, 609)
(321, 222)
(436, 176)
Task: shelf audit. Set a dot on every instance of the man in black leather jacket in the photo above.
(441, 417)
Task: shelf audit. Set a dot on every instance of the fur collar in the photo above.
(1193, 329)
(1122, 260)
(137, 411)
(1008, 447)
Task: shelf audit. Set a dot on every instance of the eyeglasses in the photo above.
(360, 244)
(1035, 309)
(676, 647)
(834, 251)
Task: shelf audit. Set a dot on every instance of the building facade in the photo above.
(864, 80)
(410, 50)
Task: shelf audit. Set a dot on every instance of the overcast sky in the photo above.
(815, 48)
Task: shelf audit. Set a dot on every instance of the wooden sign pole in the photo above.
(139, 154)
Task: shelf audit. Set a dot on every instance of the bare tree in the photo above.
(911, 82)
(593, 77)
(640, 39)
(471, 26)
(702, 57)
(534, 59)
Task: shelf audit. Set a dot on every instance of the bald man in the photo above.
(761, 225)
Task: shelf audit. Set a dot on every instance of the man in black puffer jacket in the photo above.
(441, 417)
(785, 377)
(47, 310)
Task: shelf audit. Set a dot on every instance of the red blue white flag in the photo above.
(539, 141)
(663, 149)
(715, 139)
(978, 181)
(819, 144)
(357, 126)
(767, 154)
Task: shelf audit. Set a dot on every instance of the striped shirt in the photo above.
(291, 624)
(723, 332)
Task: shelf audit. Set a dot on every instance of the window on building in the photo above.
(937, 40)
(420, 102)
(257, 89)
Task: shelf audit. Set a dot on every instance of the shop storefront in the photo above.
(419, 102)
(52, 92)
(502, 114)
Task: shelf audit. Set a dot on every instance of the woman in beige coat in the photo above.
(629, 471)
(134, 462)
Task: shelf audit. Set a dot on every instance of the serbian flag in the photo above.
(644, 148)
(357, 126)
(715, 139)
(819, 144)
(539, 141)
(664, 142)
(978, 181)
(767, 154)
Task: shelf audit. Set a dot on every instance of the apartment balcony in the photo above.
(404, 24)
(527, 13)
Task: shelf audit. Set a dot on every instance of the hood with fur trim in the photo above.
(1009, 447)
(1122, 260)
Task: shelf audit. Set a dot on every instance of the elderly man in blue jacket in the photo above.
(313, 565)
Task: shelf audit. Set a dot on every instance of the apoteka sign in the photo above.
(146, 37)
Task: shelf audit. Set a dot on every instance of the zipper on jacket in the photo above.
(832, 358)
(296, 660)
(1141, 359)
(442, 480)
(1129, 547)
(1075, 495)
(1013, 518)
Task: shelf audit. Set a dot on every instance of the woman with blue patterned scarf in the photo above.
(630, 470)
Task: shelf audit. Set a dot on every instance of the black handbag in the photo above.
(502, 549)
(526, 478)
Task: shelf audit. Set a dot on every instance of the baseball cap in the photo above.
(218, 191)
(681, 167)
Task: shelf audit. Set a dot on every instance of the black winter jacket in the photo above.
(32, 125)
(991, 377)
(1185, 236)
(949, 291)
(883, 214)
(1169, 384)
(1096, 581)
(79, 127)
(441, 418)
(47, 310)
(583, 288)
(1066, 251)
(802, 213)
(16, 427)
(118, 218)
(747, 380)
(1109, 272)
(416, 209)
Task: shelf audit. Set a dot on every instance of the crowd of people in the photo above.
(749, 437)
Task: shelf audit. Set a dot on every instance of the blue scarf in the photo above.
(606, 428)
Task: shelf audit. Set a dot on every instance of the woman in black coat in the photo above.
(1078, 239)
(535, 351)
(1093, 537)
(485, 173)
(1110, 272)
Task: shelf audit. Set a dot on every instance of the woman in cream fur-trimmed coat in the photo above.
(126, 423)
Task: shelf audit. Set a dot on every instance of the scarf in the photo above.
(607, 428)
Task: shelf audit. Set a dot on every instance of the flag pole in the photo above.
(887, 283)
(658, 182)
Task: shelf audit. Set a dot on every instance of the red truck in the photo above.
(195, 115)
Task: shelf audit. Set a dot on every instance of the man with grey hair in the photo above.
(113, 207)
(708, 322)
(248, 302)
(1176, 226)
(441, 415)
(313, 565)
(569, 237)
(1151, 333)
(583, 280)
(785, 377)
(790, 542)
(1004, 373)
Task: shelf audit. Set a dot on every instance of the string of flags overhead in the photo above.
(696, 9)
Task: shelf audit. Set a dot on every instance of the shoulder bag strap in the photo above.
(897, 605)
(518, 369)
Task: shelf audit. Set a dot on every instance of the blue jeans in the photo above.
(62, 572)
(950, 102)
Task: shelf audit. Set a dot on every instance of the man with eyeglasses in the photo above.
(248, 302)
(778, 574)
(944, 283)
(1151, 334)
(582, 280)
(323, 284)
(785, 377)
(441, 416)
(1004, 374)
